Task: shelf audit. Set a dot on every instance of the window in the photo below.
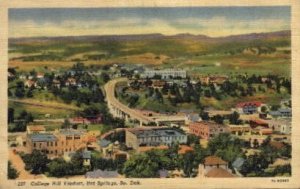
(55, 143)
(34, 144)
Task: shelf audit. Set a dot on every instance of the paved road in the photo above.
(111, 99)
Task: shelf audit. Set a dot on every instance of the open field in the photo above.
(252, 53)
(40, 109)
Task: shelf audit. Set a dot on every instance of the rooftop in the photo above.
(42, 137)
(157, 132)
(214, 160)
(253, 103)
(219, 173)
(148, 148)
(209, 124)
(69, 132)
(101, 174)
(36, 128)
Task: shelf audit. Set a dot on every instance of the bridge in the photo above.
(117, 109)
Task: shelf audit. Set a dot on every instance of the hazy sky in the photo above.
(211, 21)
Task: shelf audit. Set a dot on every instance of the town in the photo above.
(123, 120)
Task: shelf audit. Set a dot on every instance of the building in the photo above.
(158, 84)
(214, 167)
(34, 129)
(248, 107)
(282, 112)
(258, 123)
(164, 74)
(154, 137)
(57, 143)
(239, 130)
(207, 130)
(282, 126)
(101, 174)
(30, 83)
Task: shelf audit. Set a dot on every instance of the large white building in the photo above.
(154, 137)
(165, 74)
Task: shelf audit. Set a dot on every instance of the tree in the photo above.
(234, 118)
(192, 139)
(11, 113)
(12, 173)
(105, 77)
(188, 164)
(66, 124)
(36, 162)
(58, 167)
(264, 109)
(204, 116)
(141, 166)
(218, 119)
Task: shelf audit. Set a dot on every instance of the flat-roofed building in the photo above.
(207, 130)
(164, 74)
(154, 137)
(57, 143)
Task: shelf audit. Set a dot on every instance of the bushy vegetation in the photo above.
(12, 173)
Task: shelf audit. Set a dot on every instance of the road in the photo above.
(135, 114)
(113, 101)
(19, 165)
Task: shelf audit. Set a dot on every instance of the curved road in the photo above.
(113, 102)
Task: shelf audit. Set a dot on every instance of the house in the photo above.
(214, 161)
(101, 174)
(154, 137)
(248, 107)
(219, 173)
(71, 82)
(192, 117)
(282, 112)
(56, 83)
(207, 130)
(106, 147)
(158, 84)
(214, 167)
(30, 83)
(217, 79)
(86, 156)
(239, 130)
(34, 129)
(40, 75)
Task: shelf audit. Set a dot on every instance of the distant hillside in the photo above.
(127, 47)
(101, 38)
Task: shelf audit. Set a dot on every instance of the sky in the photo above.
(210, 21)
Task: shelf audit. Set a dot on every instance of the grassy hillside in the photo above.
(243, 52)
